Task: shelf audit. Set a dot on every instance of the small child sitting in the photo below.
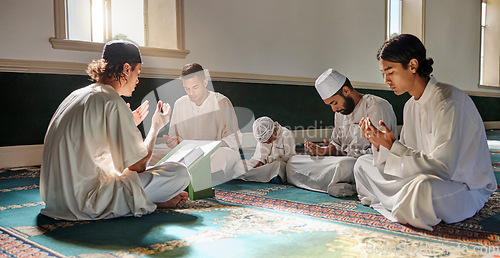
(275, 145)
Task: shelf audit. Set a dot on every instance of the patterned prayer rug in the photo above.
(243, 219)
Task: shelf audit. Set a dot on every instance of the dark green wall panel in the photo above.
(488, 107)
(30, 100)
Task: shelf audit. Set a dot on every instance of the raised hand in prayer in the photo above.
(140, 113)
(171, 141)
(384, 137)
(161, 116)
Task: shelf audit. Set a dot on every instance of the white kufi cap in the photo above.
(263, 128)
(329, 82)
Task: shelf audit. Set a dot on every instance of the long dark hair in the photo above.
(403, 48)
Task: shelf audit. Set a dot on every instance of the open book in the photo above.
(190, 150)
(187, 157)
(195, 155)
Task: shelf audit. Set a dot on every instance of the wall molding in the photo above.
(490, 125)
(97, 47)
(71, 68)
(20, 156)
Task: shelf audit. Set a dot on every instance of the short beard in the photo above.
(348, 106)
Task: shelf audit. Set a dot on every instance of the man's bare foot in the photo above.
(175, 202)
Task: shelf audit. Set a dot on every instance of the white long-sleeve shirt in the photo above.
(281, 148)
(346, 135)
(214, 119)
(442, 135)
(90, 142)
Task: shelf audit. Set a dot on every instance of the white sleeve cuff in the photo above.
(380, 156)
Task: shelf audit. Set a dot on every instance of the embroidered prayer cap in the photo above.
(329, 82)
(263, 128)
(120, 51)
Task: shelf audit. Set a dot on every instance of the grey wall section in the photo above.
(453, 40)
(30, 100)
(280, 37)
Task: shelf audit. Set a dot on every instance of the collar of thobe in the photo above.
(106, 88)
(428, 91)
(204, 104)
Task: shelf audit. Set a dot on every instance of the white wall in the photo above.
(279, 37)
(452, 39)
(286, 37)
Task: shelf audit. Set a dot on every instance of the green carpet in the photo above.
(244, 219)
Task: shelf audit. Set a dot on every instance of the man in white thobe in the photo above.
(275, 145)
(440, 169)
(330, 169)
(206, 115)
(94, 158)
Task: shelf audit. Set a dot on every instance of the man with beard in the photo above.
(329, 169)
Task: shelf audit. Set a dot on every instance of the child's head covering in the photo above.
(263, 128)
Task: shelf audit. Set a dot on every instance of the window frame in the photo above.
(412, 18)
(60, 41)
(482, 54)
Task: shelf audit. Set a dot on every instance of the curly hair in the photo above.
(101, 69)
(403, 48)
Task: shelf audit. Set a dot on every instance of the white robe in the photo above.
(334, 174)
(273, 155)
(90, 142)
(440, 169)
(214, 119)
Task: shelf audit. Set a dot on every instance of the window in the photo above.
(157, 26)
(405, 16)
(490, 42)
(393, 18)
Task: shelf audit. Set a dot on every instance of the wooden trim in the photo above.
(20, 156)
(386, 36)
(146, 22)
(490, 125)
(261, 78)
(60, 18)
(483, 94)
(45, 67)
(60, 40)
(424, 11)
(490, 87)
(179, 4)
(97, 47)
(54, 67)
